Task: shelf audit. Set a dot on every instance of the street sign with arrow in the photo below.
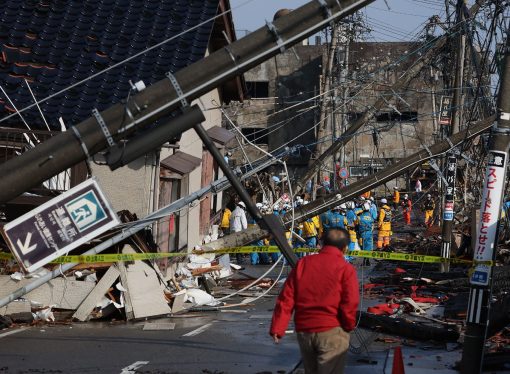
(60, 225)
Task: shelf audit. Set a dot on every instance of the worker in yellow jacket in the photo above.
(384, 225)
(429, 207)
(396, 197)
(225, 221)
(317, 222)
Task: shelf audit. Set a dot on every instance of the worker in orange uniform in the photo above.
(407, 206)
(384, 225)
(429, 207)
(396, 197)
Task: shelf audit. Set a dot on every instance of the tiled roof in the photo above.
(54, 43)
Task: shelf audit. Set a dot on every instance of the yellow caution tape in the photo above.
(378, 255)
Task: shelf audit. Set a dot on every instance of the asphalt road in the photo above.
(217, 343)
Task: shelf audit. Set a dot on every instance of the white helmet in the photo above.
(366, 206)
(372, 198)
(306, 202)
(395, 188)
(242, 204)
(351, 205)
(362, 198)
(259, 205)
(429, 196)
(384, 201)
(343, 206)
(406, 196)
(337, 207)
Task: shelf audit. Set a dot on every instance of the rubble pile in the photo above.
(125, 291)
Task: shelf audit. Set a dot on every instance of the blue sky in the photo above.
(404, 19)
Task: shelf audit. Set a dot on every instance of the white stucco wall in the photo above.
(130, 187)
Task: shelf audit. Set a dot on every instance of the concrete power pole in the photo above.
(487, 231)
(451, 161)
(324, 128)
(343, 66)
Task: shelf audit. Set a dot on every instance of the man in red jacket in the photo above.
(323, 293)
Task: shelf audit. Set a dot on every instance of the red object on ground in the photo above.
(369, 286)
(383, 309)
(398, 362)
(323, 292)
(399, 271)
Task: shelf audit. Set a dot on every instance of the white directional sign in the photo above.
(61, 224)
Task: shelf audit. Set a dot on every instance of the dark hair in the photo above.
(340, 242)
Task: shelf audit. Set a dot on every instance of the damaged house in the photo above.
(49, 46)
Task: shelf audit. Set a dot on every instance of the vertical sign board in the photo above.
(445, 112)
(451, 168)
(61, 224)
(486, 239)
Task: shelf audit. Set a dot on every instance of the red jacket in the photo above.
(323, 292)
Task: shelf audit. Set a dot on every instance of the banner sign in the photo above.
(486, 239)
(451, 169)
(445, 113)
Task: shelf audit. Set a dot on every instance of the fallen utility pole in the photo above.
(487, 232)
(215, 187)
(451, 161)
(400, 84)
(104, 129)
(324, 203)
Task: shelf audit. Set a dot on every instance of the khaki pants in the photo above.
(324, 352)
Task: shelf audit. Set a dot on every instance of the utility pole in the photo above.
(451, 161)
(105, 129)
(487, 232)
(343, 66)
(327, 98)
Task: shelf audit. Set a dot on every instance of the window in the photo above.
(257, 135)
(258, 89)
(358, 171)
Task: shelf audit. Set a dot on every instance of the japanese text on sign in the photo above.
(489, 216)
